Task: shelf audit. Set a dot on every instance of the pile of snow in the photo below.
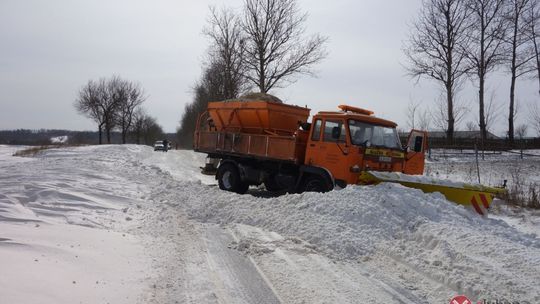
(424, 231)
(421, 179)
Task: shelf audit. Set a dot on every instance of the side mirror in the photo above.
(418, 141)
(336, 133)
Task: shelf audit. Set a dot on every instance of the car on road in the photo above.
(158, 146)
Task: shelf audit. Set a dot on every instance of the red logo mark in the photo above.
(460, 300)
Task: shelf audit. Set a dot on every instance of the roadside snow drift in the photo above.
(124, 224)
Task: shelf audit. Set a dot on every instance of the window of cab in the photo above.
(330, 126)
(316, 135)
(364, 134)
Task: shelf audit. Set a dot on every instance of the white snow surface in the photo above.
(59, 139)
(125, 224)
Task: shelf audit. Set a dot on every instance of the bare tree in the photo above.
(144, 128)
(412, 112)
(128, 96)
(424, 120)
(208, 89)
(417, 118)
(521, 131)
(88, 104)
(520, 51)
(471, 126)
(151, 130)
(493, 111)
(136, 129)
(439, 113)
(108, 104)
(274, 43)
(435, 50)
(111, 103)
(227, 51)
(485, 51)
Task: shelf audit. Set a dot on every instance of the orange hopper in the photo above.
(257, 117)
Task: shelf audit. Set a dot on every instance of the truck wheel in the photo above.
(229, 179)
(315, 184)
(271, 185)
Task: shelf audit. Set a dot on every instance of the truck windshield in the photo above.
(364, 134)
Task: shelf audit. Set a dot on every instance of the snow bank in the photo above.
(63, 232)
(424, 233)
(430, 235)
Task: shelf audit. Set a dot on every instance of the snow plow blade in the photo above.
(478, 197)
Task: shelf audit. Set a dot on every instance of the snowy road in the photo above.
(124, 224)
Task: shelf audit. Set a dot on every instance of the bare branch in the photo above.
(274, 44)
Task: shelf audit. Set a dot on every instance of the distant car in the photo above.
(158, 146)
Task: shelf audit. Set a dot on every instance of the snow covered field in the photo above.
(124, 224)
(494, 168)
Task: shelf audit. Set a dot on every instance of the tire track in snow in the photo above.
(236, 278)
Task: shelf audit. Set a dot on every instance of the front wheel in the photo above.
(229, 179)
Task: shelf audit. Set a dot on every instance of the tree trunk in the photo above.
(124, 132)
(513, 69)
(108, 135)
(482, 79)
(262, 85)
(537, 55)
(449, 80)
(451, 119)
(511, 108)
(100, 132)
(483, 129)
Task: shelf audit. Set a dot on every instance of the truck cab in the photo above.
(353, 140)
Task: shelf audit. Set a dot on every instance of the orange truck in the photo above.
(258, 142)
(271, 143)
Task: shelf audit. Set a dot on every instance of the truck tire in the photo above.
(314, 184)
(229, 179)
(271, 185)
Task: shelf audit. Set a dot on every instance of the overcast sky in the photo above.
(49, 49)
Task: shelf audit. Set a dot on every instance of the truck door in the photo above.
(331, 149)
(416, 148)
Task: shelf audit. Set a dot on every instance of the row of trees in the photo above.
(457, 40)
(116, 104)
(262, 47)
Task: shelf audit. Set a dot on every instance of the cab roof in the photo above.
(370, 119)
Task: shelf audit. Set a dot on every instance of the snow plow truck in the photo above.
(267, 142)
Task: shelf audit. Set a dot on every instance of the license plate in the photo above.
(385, 159)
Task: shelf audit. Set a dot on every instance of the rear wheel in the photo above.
(271, 185)
(229, 179)
(315, 184)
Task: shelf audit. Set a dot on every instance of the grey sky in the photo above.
(49, 49)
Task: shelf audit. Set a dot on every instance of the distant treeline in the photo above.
(43, 137)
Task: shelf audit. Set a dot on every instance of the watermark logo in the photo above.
(460, 300)
(465, 300)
